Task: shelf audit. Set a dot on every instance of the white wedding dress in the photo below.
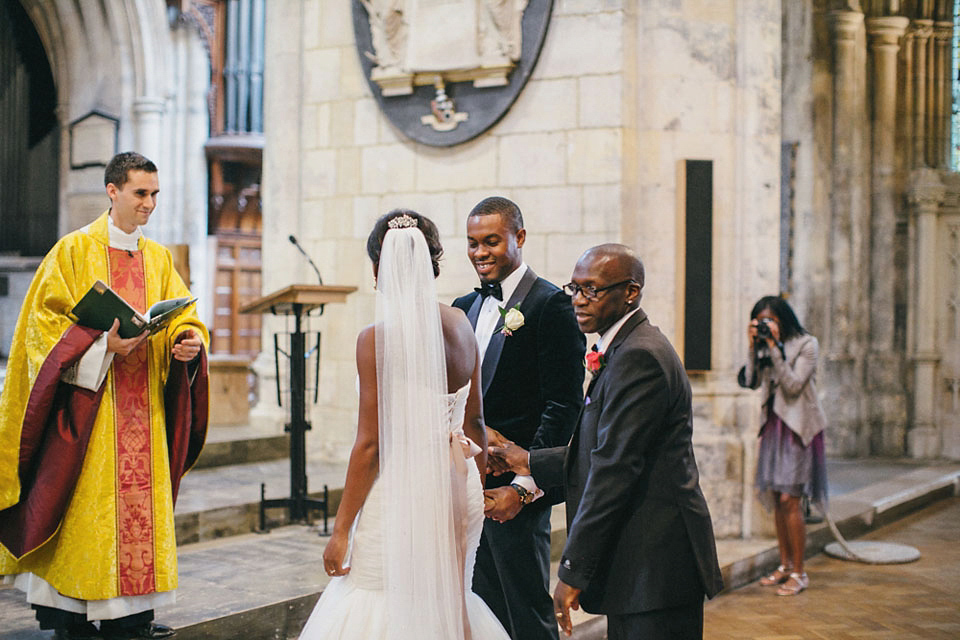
(352, 607)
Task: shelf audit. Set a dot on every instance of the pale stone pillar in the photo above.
(149, 141)
(148, 132)
(905, 130)
(926, 194)
(922, 30)
(844, 199)
(886, 407)
(943, 36)
(846, 262)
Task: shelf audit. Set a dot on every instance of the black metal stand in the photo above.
(299, 504)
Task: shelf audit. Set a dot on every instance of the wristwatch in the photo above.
(526, 497)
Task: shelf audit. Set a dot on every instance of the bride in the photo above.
(405, 569)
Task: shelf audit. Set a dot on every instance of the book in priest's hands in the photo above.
(101, 304)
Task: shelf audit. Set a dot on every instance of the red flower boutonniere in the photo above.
(595, 362)
(512, 320)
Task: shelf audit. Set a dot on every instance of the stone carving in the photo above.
(389, 32)
(443, 114)
(500, 31)
(423, 42)
(444, 71)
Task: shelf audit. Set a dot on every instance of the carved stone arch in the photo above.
(53, 34)
(148, 33)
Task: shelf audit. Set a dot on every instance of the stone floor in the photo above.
(853, 601)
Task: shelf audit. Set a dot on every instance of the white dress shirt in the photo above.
(607, 336)
(486, 322)
(490, 309)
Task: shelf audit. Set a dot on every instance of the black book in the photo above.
(101, 304)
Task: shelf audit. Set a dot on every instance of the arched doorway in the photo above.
(29, 155)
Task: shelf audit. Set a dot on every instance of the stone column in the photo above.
(905, 140)
(844, 27)
(847, 227)
(926, 194)
(922, 30)
(148, 140)
(884, 385)
(943, 36)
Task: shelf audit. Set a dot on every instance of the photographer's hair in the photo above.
(426, 226)
(121, 164)
(789, 325)
(498, 205)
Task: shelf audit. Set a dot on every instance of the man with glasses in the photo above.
(532, 378)
(640, 545)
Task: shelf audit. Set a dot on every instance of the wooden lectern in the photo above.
(297, 300)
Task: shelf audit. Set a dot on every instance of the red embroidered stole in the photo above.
(134, 482)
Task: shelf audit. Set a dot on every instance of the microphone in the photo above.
(294, 242)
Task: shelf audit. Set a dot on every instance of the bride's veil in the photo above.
(423, 587)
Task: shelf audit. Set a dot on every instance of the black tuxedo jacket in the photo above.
(532, 380)
(639, 533)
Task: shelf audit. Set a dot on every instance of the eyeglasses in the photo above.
(590, 292)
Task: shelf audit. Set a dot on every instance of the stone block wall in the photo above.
(623, 93)
(333, 164)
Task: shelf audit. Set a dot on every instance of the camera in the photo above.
(760, 343)
(763, 328)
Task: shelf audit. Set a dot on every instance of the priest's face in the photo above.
(132, 204)
(493, 247)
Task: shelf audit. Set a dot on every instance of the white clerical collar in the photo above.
(607, 337)
(120, 239)
(512, 281)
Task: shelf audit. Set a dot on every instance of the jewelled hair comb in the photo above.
(403, 221)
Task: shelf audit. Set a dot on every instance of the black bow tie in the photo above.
(490, 289)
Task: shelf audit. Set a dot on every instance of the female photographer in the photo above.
(791, 463)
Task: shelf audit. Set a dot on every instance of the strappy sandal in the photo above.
(796, 583)
(779, 576)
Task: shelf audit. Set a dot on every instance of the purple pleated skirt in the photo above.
(784, 465)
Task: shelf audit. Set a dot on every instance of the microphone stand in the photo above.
(293, 241)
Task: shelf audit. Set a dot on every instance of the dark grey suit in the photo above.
(640, 537)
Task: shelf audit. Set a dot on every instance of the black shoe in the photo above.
(148, 631)
(85, 631)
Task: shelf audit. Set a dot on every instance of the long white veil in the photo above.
(422, 578)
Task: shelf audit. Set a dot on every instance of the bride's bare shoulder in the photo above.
(454, 318)
(365, 339)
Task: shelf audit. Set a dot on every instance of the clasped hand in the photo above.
(503, 503)
(505, 456)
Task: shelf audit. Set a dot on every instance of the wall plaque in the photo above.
(93, 140)
(444, 71)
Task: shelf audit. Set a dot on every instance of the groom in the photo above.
(532, 377)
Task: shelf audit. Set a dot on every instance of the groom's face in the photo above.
(493, 247)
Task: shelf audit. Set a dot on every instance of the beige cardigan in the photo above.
(793, 381)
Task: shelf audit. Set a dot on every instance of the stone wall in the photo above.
(623, 93)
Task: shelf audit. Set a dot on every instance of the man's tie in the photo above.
(490, 289)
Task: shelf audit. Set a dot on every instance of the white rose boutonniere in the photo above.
(512, 320)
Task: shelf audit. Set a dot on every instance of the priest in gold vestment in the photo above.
(96, 431)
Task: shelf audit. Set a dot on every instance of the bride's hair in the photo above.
(426, 226)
